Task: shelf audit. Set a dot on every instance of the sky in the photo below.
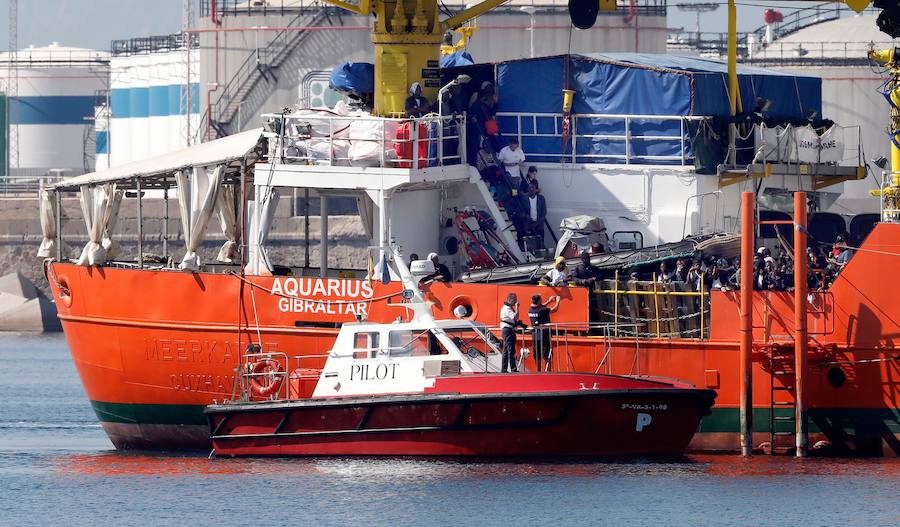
(90, 23)
(94, 23)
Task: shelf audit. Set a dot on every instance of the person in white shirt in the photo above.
(559, 275)
(509, 320)
(512, 158)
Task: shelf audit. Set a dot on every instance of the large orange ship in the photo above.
(627, 137)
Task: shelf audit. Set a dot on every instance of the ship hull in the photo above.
(150, 362)
(583, 422)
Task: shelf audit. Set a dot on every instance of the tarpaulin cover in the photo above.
(460, 58)
(638, 84)
(356, 78)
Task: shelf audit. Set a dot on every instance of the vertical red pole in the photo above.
(800, 334)
(747, 239)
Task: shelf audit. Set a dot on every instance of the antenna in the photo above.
(698, 9)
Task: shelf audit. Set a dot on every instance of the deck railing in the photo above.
(601, 138)
(335, 140)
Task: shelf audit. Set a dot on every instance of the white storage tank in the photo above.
(54, 108)
(148, 114)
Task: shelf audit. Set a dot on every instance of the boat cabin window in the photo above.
(474, 343)
(414, 343)
(365, 345)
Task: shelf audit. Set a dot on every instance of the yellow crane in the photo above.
(407, 35)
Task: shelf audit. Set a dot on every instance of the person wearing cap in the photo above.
(559, 275)
(585, 272)
(539, 316)
(441, 272)
(416, 105)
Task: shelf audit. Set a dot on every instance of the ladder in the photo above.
(782, 410)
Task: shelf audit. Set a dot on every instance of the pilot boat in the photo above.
(426, 387)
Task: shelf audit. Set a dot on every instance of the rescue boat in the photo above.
(434, 388)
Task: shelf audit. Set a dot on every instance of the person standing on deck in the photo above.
(509, 321)
(416, 105)
(539, 315)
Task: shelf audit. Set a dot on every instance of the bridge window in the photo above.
(414, 343)
(365, 345)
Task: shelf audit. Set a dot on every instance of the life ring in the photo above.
(266, 377)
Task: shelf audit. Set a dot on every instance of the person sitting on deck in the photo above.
(586, 273)
(486, 164)
(416, 104)
(441, 272)
(559, 275)
(665, 276)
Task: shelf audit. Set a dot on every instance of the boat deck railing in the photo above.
(366, 141)
(601, 138)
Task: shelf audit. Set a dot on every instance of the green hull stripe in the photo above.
(825, 420)
(162, 414)
(829, 421)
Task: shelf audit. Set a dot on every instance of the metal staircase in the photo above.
(256, 77)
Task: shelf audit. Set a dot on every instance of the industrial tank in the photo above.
(149, 105)
(53, 110)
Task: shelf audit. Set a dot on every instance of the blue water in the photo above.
(58, 468)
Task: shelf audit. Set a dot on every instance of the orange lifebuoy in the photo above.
(266, 377)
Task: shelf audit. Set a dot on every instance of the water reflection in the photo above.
(396, 470)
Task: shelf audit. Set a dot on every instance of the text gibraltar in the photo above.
(330, 296)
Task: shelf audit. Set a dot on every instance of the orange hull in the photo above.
(153, 347)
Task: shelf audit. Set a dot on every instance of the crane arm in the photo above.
(467, 14)
(363, 8)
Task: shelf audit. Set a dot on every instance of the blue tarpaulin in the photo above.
(637, 84)
(460, 58)
(354, 78)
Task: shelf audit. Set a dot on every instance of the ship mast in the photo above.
(407, 35)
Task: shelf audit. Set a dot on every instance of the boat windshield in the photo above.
(474, 341)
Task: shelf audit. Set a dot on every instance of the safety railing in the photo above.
(333, 140)
(154, 44)
(601, 138)
(652, 309)
(822, 51)
(834, 145)
(890, 199)
(27, 184)
(276, 376)
(281, 7)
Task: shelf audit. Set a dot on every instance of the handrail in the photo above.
(628, 139)
(255, 66)
(793, 22)
(301, 136)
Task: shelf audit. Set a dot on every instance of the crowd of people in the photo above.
(771, 271)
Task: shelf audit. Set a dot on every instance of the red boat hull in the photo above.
(589, 422)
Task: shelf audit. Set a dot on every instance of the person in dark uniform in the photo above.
(509, 321)
(441, 272)
(539, 315)
(586, 273)
(416, 105)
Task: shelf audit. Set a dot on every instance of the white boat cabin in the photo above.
(405, 357)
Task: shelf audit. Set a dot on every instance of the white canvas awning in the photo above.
(217, 152)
